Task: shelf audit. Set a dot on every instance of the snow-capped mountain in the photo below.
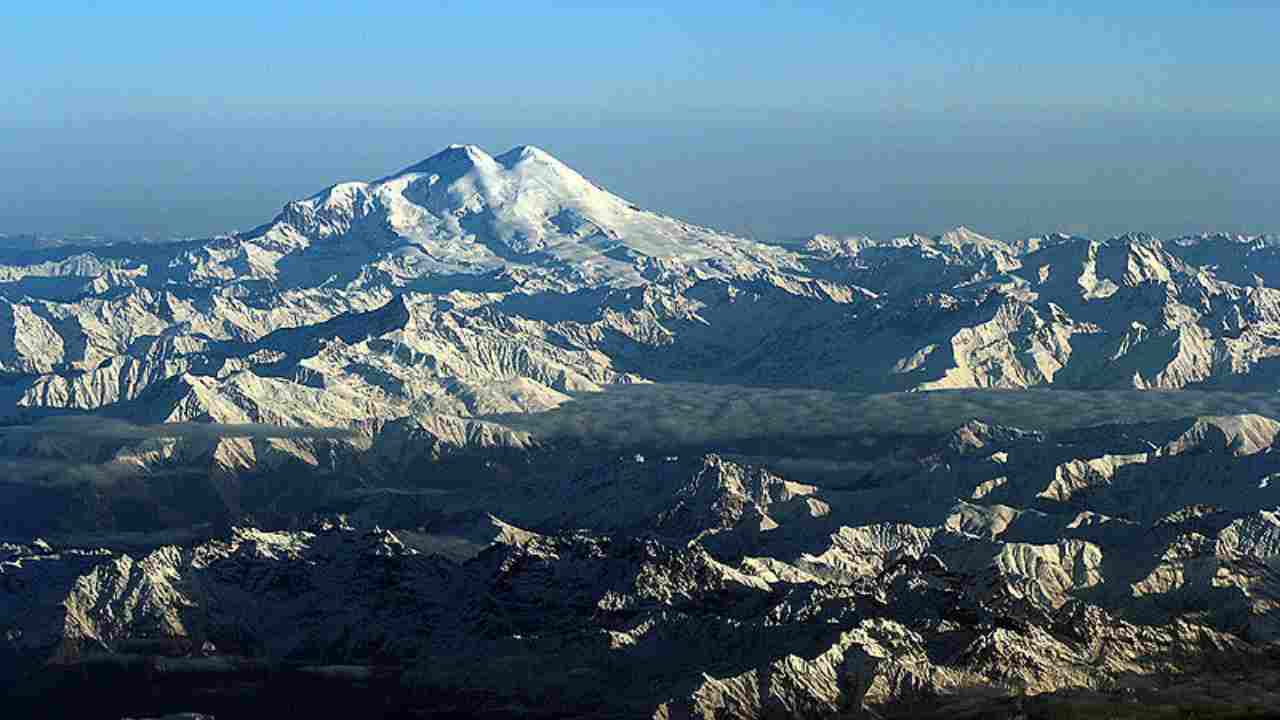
(514, 276)
(464, 212)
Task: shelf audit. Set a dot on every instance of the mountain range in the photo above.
(485, 438)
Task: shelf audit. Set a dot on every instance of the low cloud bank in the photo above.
(101, 428)
(671, 415)
(57, 472)
(94, 429)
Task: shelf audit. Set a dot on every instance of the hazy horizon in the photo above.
(1012, 121)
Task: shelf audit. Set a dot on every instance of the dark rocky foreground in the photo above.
(146, 687)
(984, 572)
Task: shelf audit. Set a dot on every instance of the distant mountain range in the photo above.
(470, 284)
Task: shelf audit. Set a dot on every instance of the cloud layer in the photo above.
(681, 415)
(96, 429)
(103, 428)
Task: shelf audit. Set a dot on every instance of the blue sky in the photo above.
(774, 119)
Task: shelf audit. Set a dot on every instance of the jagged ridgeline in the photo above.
(480, 437)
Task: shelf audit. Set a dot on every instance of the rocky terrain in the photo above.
(481, 438)
(981, 563)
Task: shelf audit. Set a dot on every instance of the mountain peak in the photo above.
(454, 157)
(458, 159)
(458, 149)
(1135, 238)
(961, 235)
(526, 153)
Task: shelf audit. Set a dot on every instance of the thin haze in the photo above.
(180, 119)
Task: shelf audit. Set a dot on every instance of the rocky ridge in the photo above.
(712, 587)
